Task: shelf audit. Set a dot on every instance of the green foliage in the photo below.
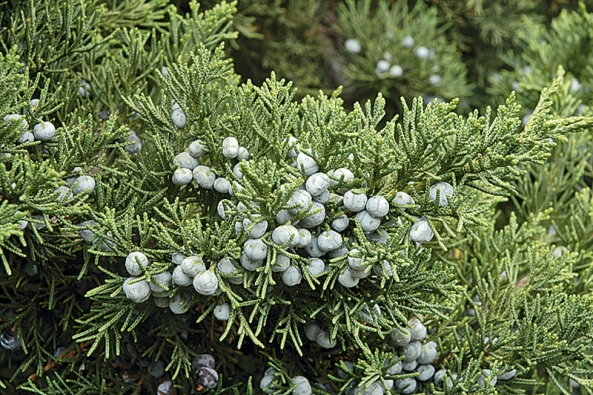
(542, 50)
(383, 35)
(504, 285)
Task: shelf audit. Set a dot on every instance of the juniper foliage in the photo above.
(503, 287)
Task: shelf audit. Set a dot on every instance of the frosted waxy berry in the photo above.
(107, 246)
(24, 123)
(165, 72)
(355, 259)
(84, 184)
(227, 267)
(163, 279)
(340, 223)
(255, 249)
(435, 79)
(342, 175)
(223, 207)
(312, 248)
(316, 266)
(324, 340)
(323, 198)
(410, 365)
(165, 388)
(136, 262)
(182, 176)
(406, 386)
(267, 384)
(349, 366)
(425, 372)
(222, 185)
(400, 337)
(203, 361)
(347, 279)
(368, 223)
(134, 144)
(180, 278)
(439, 375)
(235, 187)
(368, 315)
(250, 264)
(161, 302)
(484, 376)
(222, 312)
(84, 90)
(575, 85)
(377, 206)
(312, 330)
(316, 217)
(417, 330)
(237, 171)
(559, 251)
(256, 230)
(283, 216)
(329, 240)
(204, 177)
(411, 351)
(304, 238)
(230, 147)
(282, 263)
(301, 199)
(376, 388)
(360, 273)
(178, 118)
(396, 71)
(206, 377)
(355, 202)
(206, 283)
(292, 276)
(343, 250)
(382, 66)
(63, 192)
(446, 191)
(421, 232)
(403, 198)
(138, 292)
(70, 180)
(421, 52)
(508, 375)
(317, 184)
(352, 45)
(243, 153)
(185, 160)
(408, 41)
(379, 236)
(306, 163)
(156, 369)
(44, 131)
(197, 149)
(395, 369)
(303, 387)
(192, 265)
(9, 339)
(292, 142)
(22, 223)
(283, 234)
(87, 234)
(428, 353)
(26, 137)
